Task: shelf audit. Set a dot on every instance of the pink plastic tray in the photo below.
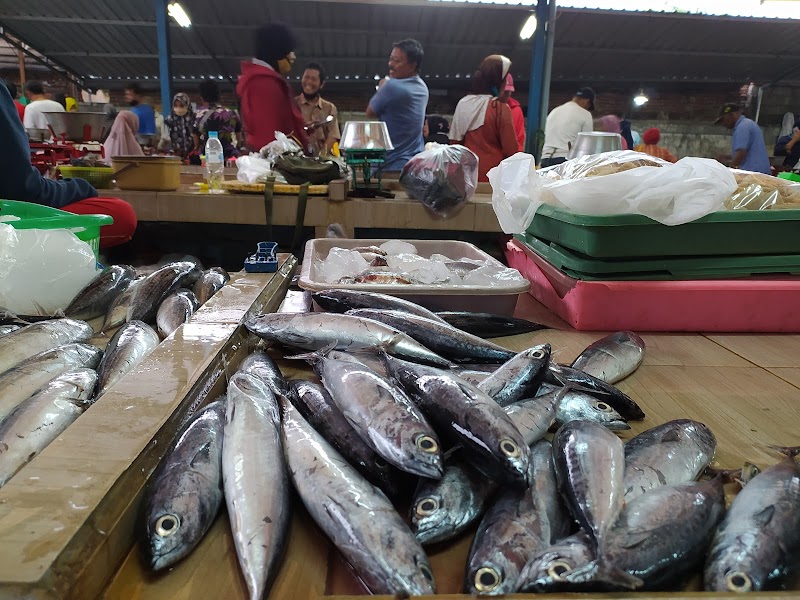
(757, 304)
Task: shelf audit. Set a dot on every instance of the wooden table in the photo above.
(744, 387)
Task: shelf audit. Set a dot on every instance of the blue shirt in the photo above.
(147, 118)
(401, 104)
(747, 136)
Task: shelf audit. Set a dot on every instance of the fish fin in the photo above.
(740, 476)
(763, 517)
(671, 436)
(634, 538)
(202, 454)
(790, 451)
(600, 571)
(59, 314)
(316, 355)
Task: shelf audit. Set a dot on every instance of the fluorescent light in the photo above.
(529, 28)
(640, 99)
(176, 11)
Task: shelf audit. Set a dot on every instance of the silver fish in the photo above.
(210, 282)
(118, 310)
(517, 378)
(488, 325)
(471, 375)
(617, 399)
(575, 405)
(183, 499)
(534, 417)
(33, 339)
(127, 348)
(548, 570)
(42, 418)
(261, 366)
(4, 329)
(175, 310)
(342, 301)
(148, 295)
(315, 331)
(94, 299)
(367, 358)
(255, 480)
(612, 358)
(356, 516)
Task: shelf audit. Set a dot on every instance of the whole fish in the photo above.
(613, 357)
(357, 517)
(255, 480)
(519, 524)
(4, 329)
(533, 417)
(672, 453)
(473, 376)
(341, 301)
(147, 296)
(369, 359)
(757, 545)
(33, 339)
(469, 417)
(210, 282)
(94, 299)
(21, 382)
(315, 331)
(440, 337)
(618, 400)
(575, 405)
(175, 310)
(487, 325)
(519, 377)
(548, 570)
(126, 349)
(261, 366)
(118, 310)
(184, 497)
(42, 418)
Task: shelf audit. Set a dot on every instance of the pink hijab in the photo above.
(122, 139)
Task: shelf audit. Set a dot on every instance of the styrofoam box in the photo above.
(497, 300)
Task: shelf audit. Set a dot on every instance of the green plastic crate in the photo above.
(36, 216)
(730, 232)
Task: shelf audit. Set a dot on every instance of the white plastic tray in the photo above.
(497, 300)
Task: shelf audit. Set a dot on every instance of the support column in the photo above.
(541, 59)
(164, 55)
(550, 29)
(22, 77)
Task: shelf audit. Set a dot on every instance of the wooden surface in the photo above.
(715, 379)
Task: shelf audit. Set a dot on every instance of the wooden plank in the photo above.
(764, 350)
(790, 375)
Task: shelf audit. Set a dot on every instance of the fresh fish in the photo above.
(442, 338)
(42, 418)
(756, 547)
(519, 377)
(613, 357)
(442, 510)
(126, 349)
(534, 417)
(672, 453)
(487, 325)
(184, 497)
(618, 400)
(261, 366)
(175, 310)
(356, 516)
(21, 382)
(471, 375)
(548, 570)
(315, 331)
(210, 282)
(575, 405)
(379, 277)
(255, 480)
(366, 358)
(4, 329)
(341, 301)
(118, 311)
(519, 524)
(467, 416)
(31, 340)
(94, 299)
(147, 296)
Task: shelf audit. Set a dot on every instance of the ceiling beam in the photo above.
(693, 53)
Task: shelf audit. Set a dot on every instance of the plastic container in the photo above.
(99, 177)
(153, 173)
(501, 301)
(630, 236)
(758, 304)
(789, 176)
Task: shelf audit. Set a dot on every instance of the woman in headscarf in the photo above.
(180, 124)
(611, 124)
(481, 122)
(649, 145)
(122, 139)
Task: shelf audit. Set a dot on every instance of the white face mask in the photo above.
(180, 111)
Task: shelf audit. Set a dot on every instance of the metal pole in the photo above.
(537, 78)
(21, 57)
(164, 54)
(548, 62)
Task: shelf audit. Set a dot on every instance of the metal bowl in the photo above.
(365, 135)
(595, 142)
(78, 126)
(38, 135)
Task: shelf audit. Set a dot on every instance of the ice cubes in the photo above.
(341, 263)
(398, 247)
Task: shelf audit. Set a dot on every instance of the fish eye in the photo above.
(426, 507)
(167, 525)
(558, 569)
(736, 581)
(427, 444)
(539, 354)
(603, 407)
(509, 448)
(426, 572)
(487, 579)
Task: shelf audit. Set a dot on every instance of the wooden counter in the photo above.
(744, 387)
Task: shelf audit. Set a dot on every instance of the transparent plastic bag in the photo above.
(757, 191)
(597, 165)
(280, 145)
(253, 169)
(443, 178)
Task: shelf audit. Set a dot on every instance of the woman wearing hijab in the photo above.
(122, 139)
(649, 145)
(180, 123)
(481, 122)
(611, 124)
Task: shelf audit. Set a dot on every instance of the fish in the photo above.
(756, 546)
(148, 295)
(371, 249)
(471, 375)
(118, 311)
(519, 524)
(255, 480)
(175, 310)
(41, 418)
(209, 283)
(261, 366)
(366, 358)
(21, 382)
(442, 338)
(357, 517)
(31, 340)
(379, 277)
(5, 329)
(468, 417)
(315, 331)
(533, 417)
(674, 452)
(519, 377)
(341, 301)
(617, 399)
(185, 494)
(548, 570)
(487, 325)
(612, 358)
(96, 297)
(575, 405)
(126, 349)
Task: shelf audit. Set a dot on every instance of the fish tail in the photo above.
(790, 451)
(741, 476)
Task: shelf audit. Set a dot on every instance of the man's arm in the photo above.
(334, 135)
(738, 158)
(380, 100)
(740, 142)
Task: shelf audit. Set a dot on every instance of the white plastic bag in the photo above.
(280, 145)
(253, 168)
(516, 187)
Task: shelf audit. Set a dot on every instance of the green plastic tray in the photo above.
(730, 232)
(666, 269)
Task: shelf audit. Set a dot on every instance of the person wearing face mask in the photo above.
(267, 103)
(180, 123)
(322, 134)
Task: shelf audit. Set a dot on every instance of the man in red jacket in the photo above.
(267, 103)
(516, 112)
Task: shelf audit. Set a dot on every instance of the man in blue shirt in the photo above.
(401, 102)
(145, 112)
(747, 144)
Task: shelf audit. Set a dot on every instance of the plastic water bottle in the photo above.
(215, 163)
